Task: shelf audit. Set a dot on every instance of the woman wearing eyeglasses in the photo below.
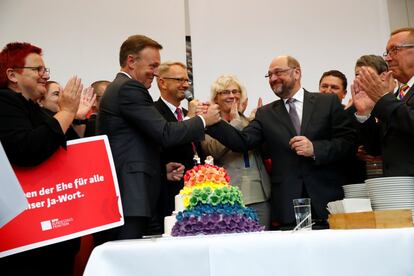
(29, 137)
(50, 103)
(246, 170)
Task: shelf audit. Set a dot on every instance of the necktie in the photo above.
(179, 114)
(403, 91)
(196, 159)
(294, 117)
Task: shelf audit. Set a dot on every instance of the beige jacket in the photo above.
(253, 180)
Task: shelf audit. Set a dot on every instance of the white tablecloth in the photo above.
(326, 252)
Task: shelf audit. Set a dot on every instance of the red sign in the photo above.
(73, 193)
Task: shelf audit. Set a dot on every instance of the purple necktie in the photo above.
(294, 117)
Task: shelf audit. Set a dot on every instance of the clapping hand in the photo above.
(362, 102)
(234, 111)
(375, 86)
(69, 97)
(87, 100)
(253, 113)
(243, 105)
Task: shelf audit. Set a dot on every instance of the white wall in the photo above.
(242, 37)
(228, 36)
(401, 13)
(83, 37)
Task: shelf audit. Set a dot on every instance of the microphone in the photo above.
(188, 95)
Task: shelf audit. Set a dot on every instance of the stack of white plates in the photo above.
(391, 193)
(355, 190)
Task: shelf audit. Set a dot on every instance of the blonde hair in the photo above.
(165, 67)
(224, 81)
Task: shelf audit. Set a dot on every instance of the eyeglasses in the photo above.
(180, 80)
(278, 73)
(227, 92)
(396, 48)
(41, 70)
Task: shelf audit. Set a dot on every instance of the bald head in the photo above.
(287, 61)
(284, 76)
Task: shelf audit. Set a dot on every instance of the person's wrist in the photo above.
(80, 121)
(80, 117)
(68, 112)
(362, 114)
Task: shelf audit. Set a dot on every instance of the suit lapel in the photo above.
(283, 116)
(308, 106)
(166, 111)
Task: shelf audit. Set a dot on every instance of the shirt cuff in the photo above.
(362, 118)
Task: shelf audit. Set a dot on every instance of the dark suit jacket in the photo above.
(393, 136)
(71, 133)
(29, 135)
(325, 123)
(180, 153)
(137, 132)
(90, 129)
(354, 168)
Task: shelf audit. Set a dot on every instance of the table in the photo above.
(324, 252)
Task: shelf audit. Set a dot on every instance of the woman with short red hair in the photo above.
(30, 136)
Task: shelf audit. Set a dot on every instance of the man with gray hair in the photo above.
(172, 82)
(373, 97)
(307, 134)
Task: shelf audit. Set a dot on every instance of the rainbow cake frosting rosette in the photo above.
(211, 205)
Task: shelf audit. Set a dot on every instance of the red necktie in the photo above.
(403, 91)
(179, 114)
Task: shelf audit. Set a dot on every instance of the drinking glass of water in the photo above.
(302, 207)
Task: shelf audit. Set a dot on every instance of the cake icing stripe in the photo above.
(212, 206)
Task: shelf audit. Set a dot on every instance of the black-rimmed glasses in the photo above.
(180, 80)
(41, 70)
(396, 48)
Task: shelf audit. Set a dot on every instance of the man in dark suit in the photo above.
(335, 82)
(373, 98)
(172, 82)
(307, 134)
(137, 132)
